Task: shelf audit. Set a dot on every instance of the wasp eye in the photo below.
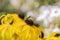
(29, 22)
(21, 15)
(57, 35)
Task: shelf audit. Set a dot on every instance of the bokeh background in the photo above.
(14, 5)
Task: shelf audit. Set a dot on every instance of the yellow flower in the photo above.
(19, 30)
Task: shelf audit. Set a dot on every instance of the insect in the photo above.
(29, 21)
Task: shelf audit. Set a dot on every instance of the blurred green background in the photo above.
(6, 6)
